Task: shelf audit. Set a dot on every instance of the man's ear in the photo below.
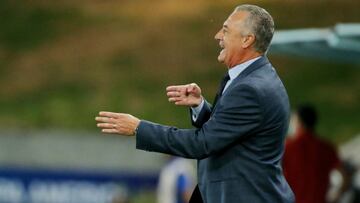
(248, 41)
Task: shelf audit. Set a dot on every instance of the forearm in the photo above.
(186, 143)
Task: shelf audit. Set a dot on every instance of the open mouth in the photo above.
(222, 47)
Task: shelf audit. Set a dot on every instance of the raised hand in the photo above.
(185, 95)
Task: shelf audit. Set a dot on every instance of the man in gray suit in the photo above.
(239, 140)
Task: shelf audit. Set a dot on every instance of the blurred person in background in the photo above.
(344, 188)
(308, 159)
(176, 181)
(239, 140)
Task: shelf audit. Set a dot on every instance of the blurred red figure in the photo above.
(308, 160)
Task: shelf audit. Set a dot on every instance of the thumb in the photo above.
(191, 87)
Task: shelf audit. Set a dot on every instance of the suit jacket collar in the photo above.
(252, 67)
(236, 70)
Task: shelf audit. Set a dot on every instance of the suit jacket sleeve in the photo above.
(203, 116)
(238, 114)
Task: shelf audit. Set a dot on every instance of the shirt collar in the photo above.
(236, 70)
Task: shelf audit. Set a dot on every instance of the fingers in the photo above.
(106, 125)
(109, 114)
(117, 123)
(173, 94)
(175, 99)
(175, 88)
(105, 119)
(184, 95)
(179, 88)
(181, 103)
(176, 93)
(112, 131)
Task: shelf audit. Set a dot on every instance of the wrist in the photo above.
(198, 103)
(135, 132)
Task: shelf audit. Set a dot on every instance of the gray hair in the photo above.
(260, 23)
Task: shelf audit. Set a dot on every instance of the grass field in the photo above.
(62, 62)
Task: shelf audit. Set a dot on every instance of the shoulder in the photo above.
(262, 83)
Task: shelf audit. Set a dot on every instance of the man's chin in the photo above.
(220, 59)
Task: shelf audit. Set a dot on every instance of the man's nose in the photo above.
(218, 35)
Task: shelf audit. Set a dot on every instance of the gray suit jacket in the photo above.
(238, 144)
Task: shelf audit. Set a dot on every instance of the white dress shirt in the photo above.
(233, 73)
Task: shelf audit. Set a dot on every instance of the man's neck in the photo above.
(247, 57)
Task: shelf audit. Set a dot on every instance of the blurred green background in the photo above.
(62, 62)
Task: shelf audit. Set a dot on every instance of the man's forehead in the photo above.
(234, 17)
